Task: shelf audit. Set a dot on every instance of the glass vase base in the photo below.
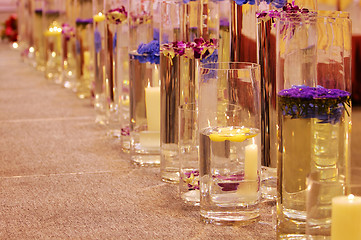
(292, 237)
(230, 218)
(170, 176)
(269, 183)
(191, 197)
(113, 133)
(146, 160)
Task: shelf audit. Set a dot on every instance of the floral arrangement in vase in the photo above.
(10, 31)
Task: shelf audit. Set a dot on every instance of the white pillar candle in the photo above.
(346, 218)
(251, 162)
(152, 105)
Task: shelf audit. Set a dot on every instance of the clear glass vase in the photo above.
(313, 109)
(38, 35)
(98, 85)
(53, 17)
(84, 48)
(116, 62)
(144, 85)
(185, 29)
(68, 47)
(243, 32)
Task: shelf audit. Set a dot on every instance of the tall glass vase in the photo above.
(98, 85)
(84, 48)
(189, 33)
(144, 85)
(68, 47)
(313, 109)
(53, 17)
(116, 60)
(38, 35)
(243, 31)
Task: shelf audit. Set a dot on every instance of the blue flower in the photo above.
(212, 58)
(97, 41)
(148, 52)
(241, 2)
(327, 105)
(114, 42)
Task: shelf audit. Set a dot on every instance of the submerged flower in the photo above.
(117, 15)
(67, 31)
(192, 179)
(325, 104)
(148, 52)
(229, 183)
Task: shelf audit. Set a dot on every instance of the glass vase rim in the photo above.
(245, 65)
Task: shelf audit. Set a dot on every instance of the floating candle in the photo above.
(346, 218)
(99, 17)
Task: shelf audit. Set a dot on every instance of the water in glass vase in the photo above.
(229, 174)
(179, 81)
(313, 137)
(84, 57)
(39, 40)
(144, 110)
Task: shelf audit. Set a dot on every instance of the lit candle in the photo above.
(99, 17)
(251, 162)
(346, 218)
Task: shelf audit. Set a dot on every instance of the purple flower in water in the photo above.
(117, 15)
(125, 131)
(198, 49)
(67, 31)
(148, 52)
(97, 41)
(191, 178)
(325, 104)
(229, 186)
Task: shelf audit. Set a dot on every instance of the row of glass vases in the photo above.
(138, 61)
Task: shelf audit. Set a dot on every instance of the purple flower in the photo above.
(117, 15)
(325, 104)
(148, 52)
(67, 31)
(229, 186)
(192, 179)
(198, 49)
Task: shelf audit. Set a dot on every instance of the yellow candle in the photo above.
(346, 218)
(99, 17)
(251, 162)
(152, 104)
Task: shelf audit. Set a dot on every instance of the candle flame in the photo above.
(100, 14)
(351, 197)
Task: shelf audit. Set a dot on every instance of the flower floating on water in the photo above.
(148, 52)
(67, 31)
(325, 104)
(226, 182)
(198, 49)
(117, 15)
(287, 8)
(10, 31)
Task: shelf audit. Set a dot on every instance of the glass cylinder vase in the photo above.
(98, 84)
(313, 109)
(144, 85)
(68, 47)
(84, 48)
(188, 35)
(116, 62)
(38, 35)
(53, 17)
